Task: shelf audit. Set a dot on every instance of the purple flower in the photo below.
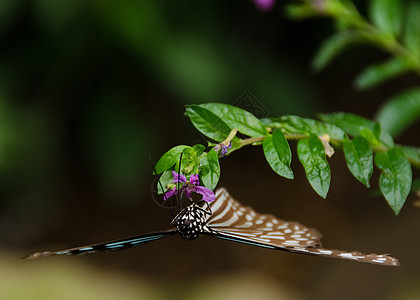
(224, 150)
(264, 5)
(190, 186)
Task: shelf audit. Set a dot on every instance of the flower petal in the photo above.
(329, 151)
(179, 177)
(194, 179)
(224, 150)
(264, 5)
(208, 194)
(170, 193)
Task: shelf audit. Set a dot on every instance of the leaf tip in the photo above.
(289, 175)
(396, 210)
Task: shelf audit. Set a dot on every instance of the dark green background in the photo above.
(90, 88)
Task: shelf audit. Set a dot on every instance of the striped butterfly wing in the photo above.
(232, 221)
(108, 246)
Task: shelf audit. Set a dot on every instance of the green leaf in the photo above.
(395, 180)
(386, 138)
(299, 11)
(400, 112)
(169, 159)
(371, 136)
(297, 125)
(359, 158)
(312, 156)
(347, 12)
(278, 154)
(350, 123)
(288, 124)
(210, 169)
(208, 123)
(411, 153)
(379, 73)
(387, 15)
(164, 180)
(320, 128)
(238, 118)
(199, 149)
(267, 121)
(355, 125)
(334, 46)
(189, 161)
(412, 27)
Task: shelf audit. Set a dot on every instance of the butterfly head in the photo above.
(190, 222)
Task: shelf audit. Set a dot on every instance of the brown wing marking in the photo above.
(232, 221)
(230, 216)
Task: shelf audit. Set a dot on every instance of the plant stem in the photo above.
(252, 140)
(296, 136)
(231, 135)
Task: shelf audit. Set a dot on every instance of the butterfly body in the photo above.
(226, 218)
(190, 222)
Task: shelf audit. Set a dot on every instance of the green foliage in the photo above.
(189, 160)
(278, 154)
(400, 111)
(169, 159)
(359, 138)
(359, 158)
(411, 36)
(394, 27)
(240, 119)
(288, 124)
(389, 26)
(208, 123)
(298, 125)
(387, 15)
(312, 156)
(396, 177)
(320, 128)
(358, 126)
(210, 169)
(164, 181)
(411, 153)
(377, 74)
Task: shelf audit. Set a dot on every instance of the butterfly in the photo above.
(226, 218)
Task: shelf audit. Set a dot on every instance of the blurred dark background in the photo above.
(90, 89)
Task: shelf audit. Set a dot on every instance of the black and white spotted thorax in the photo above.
(191, 222)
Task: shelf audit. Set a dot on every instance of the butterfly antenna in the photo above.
(161, 187)
(178, 198)
(207, 210)
(155, 173)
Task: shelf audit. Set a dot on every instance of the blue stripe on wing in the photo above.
(131, 242)
(108, 246)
